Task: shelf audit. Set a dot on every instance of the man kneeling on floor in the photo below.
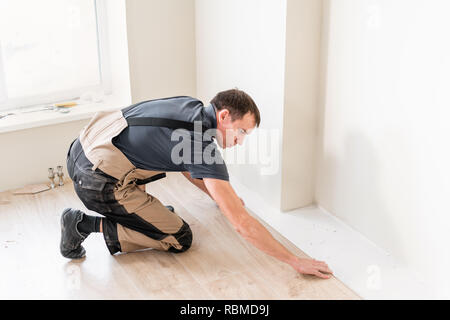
(118, 152)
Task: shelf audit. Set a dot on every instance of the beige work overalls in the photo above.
(134, 219)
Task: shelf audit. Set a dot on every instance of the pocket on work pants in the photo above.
(90, 187)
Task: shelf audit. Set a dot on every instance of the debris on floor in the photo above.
(32, 189)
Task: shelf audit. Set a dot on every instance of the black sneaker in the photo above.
(170, 208)
(71, 239)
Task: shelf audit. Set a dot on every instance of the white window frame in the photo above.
(73, 94)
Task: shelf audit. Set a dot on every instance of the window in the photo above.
(51, 50)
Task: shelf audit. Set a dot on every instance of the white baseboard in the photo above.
(360, 264)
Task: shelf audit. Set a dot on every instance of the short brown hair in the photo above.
(238, 103)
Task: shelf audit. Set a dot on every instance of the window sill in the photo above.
(22, 121)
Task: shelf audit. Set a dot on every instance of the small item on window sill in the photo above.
(5, 115)
(63, 110)
(66, 104)
(41, 109)
(62, 107)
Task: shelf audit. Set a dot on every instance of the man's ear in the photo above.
(223, 114)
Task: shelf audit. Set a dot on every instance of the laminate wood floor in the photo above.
(219, 265)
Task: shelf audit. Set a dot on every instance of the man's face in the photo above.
(230, 133)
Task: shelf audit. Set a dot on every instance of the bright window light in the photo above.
(49, 50)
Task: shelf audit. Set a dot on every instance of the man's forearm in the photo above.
(201, 185)
(255, 233)
(197, 182)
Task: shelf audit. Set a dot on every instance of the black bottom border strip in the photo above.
(227, 309)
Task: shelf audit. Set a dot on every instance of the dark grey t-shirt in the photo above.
(160, 149)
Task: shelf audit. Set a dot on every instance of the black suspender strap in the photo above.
(162, 122)
(151, 179)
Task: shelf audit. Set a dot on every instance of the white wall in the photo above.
(27, 154)
(303, 33)
(242, 44)
(161, 46)
(383, 156)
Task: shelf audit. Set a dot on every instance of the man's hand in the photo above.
(312, 266)
(243, 203)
